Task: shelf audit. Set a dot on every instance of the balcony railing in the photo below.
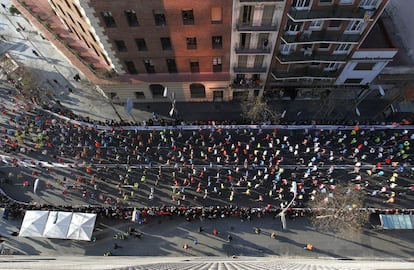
(250, 69)
(258, 50)
(310, 72)
(315, 57)
(334, 12)
(247, 84)
(249, 27)
(321, 36)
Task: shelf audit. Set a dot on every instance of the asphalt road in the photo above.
(243, 167)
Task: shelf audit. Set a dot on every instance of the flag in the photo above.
(36, 184)
(128, 106)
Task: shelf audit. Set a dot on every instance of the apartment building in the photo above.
(221, 50)
(319, 39)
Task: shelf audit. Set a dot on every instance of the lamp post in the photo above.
(294, 190)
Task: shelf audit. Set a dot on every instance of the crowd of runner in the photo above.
(246, 167)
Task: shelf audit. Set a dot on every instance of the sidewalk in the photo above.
(165, 237)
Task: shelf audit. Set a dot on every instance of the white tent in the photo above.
(54, 224)
(57, 225)
(81, 226)
(34, 223)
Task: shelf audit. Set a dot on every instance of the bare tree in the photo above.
(339, 210)
(28, 82)
(258, 110)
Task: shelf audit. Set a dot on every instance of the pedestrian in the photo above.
(215, 232)
(273, 235)
(308, 246)
(229, 238)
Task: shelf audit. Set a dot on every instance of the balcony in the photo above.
(313, 57)
(258, 50)
(321, 36)
(247, 84)
(330, 13)
(249, 69)
(306, 72)
(253, 28)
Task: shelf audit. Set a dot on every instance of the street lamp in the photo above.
(294, 190)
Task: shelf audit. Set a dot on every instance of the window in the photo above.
(325, 2)
(120, 45)
(364, 66)
(70, 18)
(194, 66)
(67, 3)
(354, 26)
(92, 36)
(141, 45)
(324, 47)
(80, 25)
(293, 28)
(241, 95)
(216, 42)
(245, 40)
(131, 67)
(316, 24)
(197, 90)
(334, 24)
(217, 64)
(369, 4)
(301, 4)
(246, 17)
(342, 48)
(131, 17)
(242, 61)
(112, 95)
(61, 10)
(268, 13)
(332, 66)
(188, 17)
(353, 81)
(172, 66)
(108, 19)
(77, 10)
(139, 95)
(166, 43)
(191, 43)
(286, 49)
(346, 2)
(157, 90)
(216, 15)
(159, 18)
(258, 61)
(149, 66)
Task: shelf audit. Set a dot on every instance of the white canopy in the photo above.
(34, 223)
(81, 226)
(57, 224)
